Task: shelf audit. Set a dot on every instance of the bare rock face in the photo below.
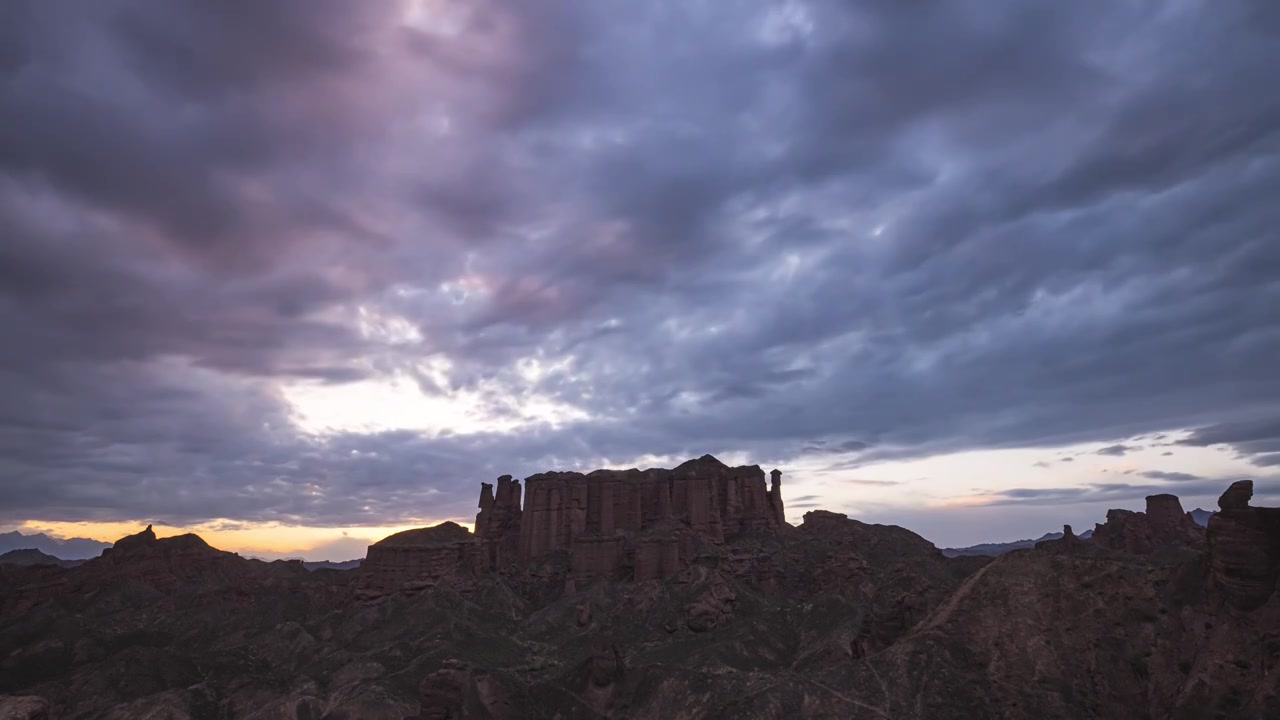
(1164, 524)
(458, 692)
(1244, 548)
(713, 606)
(647, 521)
(24, 707)
(440, 695)
(604, 675)
(657, 557)
(612, 524)
(597, 557)
(415, 560)
(498, 523)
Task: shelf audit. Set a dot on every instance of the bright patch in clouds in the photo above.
(398, 403)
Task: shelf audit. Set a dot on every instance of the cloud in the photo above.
(1117, 450)
(1169, 476)
(1257, 439)
(882, 229)
(1180, 484)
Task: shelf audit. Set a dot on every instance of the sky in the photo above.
(297, 275)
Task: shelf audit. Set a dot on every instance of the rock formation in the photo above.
(1164, 524)
(498, 523)
(26, 707)
(615, 524)
(1244, 548)
(458, 692)
(703, 495)
(833, 618)
(416, 560)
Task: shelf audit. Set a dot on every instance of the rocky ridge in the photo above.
(832, 618)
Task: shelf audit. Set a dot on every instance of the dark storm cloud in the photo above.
(877, 229)
(1256, 439)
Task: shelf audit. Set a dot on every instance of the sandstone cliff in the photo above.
(611, 524)
(1244, 548)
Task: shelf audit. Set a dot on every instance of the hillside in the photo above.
(1151, 617)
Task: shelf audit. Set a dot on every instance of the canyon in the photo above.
(663, 593)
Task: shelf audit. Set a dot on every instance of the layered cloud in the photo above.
(602, 232)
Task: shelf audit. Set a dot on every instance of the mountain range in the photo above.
(678, 594)
(65, 549)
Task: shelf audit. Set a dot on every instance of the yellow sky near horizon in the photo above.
(260, 539)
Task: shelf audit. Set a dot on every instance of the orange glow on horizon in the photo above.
(257, 539)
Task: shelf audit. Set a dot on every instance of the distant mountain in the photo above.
(330, 565)
(1201, 517)
(29, 556)
(997, 549)
(68, 549)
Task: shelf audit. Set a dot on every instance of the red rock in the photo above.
(419, 559)
(597, 557)
(1244, 548)
(24, 707)
(576, 512)
(498, 523)
(775, 498)
(1164, 524)
(657, 557)
(1237, 496)
(458, 692)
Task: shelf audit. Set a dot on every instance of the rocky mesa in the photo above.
(663, 593)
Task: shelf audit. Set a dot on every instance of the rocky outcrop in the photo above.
(458, 692)
(713, 606)
(705, 495)
(586, 514)
(24, 707)
(612, 524)
(498, 523)
(597, 557)
(657, 557)
(1244, 548)
(1163, 525)
(775, 499)
(419, 559)
(133, 543)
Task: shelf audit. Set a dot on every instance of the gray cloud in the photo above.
(1118, 450)
(1256, 438)
(1169, 476)
(1187, 487)
(879, 229)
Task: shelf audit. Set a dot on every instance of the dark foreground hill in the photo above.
(663, 595)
